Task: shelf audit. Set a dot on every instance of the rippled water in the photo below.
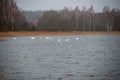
(84, 57)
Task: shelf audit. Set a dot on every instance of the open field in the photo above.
(54, 33)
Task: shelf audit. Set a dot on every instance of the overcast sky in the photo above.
(60, 4)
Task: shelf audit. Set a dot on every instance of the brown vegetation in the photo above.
(2, 34)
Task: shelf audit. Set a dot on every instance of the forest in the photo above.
(87, 19)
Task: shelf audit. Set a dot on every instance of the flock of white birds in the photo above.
(51, 38)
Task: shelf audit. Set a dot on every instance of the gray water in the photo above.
(92, 57)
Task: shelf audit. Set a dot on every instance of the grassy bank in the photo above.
(2, 34)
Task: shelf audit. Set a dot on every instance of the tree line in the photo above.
(13, 19)
(80, 20)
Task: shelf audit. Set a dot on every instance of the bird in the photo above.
(14, 38)
(47, 37)
(77, 38)
(59, 40)
(32, 37)
(66, 39)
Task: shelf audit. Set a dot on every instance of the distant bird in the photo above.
(59, 40)
(47, 37)
(32, 37)
(66, 39)
(14, 38)
(77, 38)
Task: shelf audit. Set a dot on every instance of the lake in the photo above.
(73, 57)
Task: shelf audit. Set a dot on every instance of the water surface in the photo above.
(91, 57)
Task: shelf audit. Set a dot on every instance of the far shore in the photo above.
(42, 33)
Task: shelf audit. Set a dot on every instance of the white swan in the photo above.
(66, 39)
(14, 38)
(77, 38)
(32, 37)
(59, 40)
(47, 37)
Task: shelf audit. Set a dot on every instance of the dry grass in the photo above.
(41, 33)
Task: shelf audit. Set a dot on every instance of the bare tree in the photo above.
(90, 17)
(106, 11)
(77, 17)
(84, 18)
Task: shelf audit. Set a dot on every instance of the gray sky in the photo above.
(60, 4)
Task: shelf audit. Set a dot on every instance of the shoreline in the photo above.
(45, 33)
